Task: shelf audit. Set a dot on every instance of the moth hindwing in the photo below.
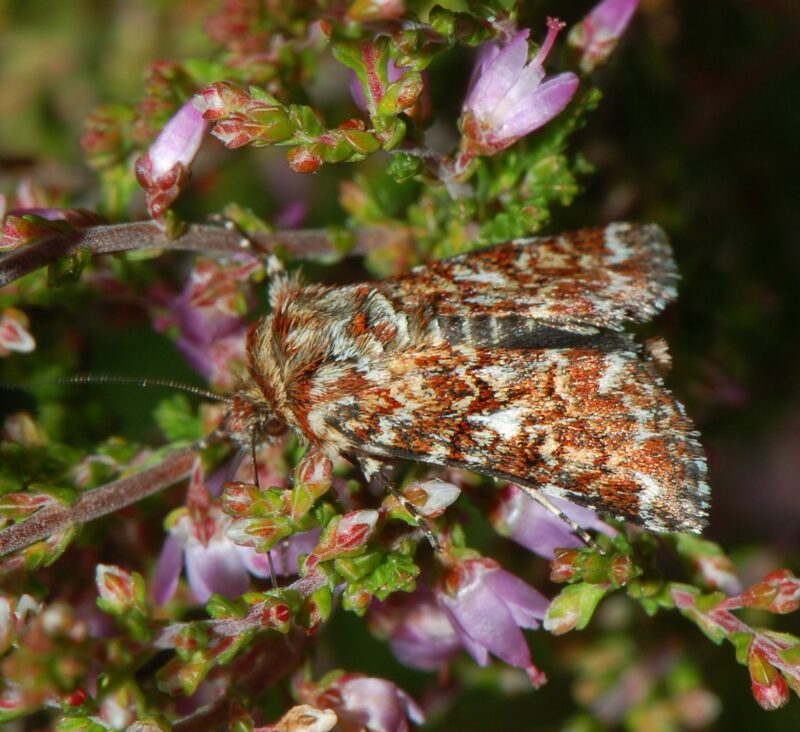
(511, 362)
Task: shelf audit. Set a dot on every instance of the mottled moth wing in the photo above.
(508, 361)
(594, 425)
(601, 277)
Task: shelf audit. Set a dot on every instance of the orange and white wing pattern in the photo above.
(509, 361)
(602, 277)
(593, 425)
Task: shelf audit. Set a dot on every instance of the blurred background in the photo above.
(699, 130)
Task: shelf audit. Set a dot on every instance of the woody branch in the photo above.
(199, 238)
(98, 502)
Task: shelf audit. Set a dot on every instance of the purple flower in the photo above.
(597, 35)
(207, 316)
(164, 168)
(487, 606)
(511, 97)
(362, 703)
(530, 524)
(212, 561)
(420, 633)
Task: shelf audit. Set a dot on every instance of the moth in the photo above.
(511, 362)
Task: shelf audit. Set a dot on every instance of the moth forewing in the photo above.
(508, 361)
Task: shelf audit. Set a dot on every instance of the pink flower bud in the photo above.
(778, 593)
(14, 335)
(220, 100)
(117, 587)
(597, 35)
(511, 97)
(302, 160)
(345, 536)
(314, 469)
(163, 169)
(564, 565)
(302, 718)
(769, 688)
(432, 497)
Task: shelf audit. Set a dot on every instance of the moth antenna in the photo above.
(541, 499)
(273, 578)
(121, 380)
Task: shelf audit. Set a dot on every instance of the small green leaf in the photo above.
(573, 607)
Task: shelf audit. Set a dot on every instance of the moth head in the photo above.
(250, 421)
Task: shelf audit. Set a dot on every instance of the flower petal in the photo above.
(179, 141)
(530, 524)
(168, 569)
(489, 625)
(378, 705)
(498, 76)
(215, 568)
(611, 17)
(545, 103)
(478, 652)
(526, 605)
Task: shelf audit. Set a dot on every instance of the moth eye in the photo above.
(275, 426)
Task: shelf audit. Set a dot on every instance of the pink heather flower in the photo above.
(511, 97)
(530, 524)
(292, 215)
(163, 169)
(362, 703)
(213, 562)
(211, 331)
(597, 35)
(420, 633)
(14, 335)
(487, 606)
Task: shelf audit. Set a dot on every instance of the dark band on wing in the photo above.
(517, 332)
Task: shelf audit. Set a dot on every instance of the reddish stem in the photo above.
(200, 238)
(303, 586)
(256, 670)
(98, 502)
(729, 624)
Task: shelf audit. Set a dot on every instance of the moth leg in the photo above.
(254, 463)
(373, 469)
(542, 500)
(272, 264)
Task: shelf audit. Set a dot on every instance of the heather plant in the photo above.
(156, 575)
